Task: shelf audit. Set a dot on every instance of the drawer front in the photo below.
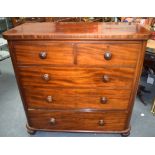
(77, 77)
(77, 99)
(74, 120)
(108, 54)
(43, 53)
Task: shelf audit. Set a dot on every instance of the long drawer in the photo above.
(77, 77)
(75, 120)
(43, 53)
(77, 98)
(114, 54)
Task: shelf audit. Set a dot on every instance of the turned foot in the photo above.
(125, 134)
(30, 130)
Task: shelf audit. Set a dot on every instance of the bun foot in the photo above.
(125, 134)
(30, 130)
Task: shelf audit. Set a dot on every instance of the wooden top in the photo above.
(77, 31)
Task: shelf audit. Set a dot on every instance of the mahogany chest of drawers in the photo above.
(78, 77)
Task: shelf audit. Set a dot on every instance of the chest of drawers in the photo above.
(78, 77)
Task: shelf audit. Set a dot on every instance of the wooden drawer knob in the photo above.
(106, 78)
(46, 77)
(107, 55)
(53, 121)
(42, 55)
(103, 100)
(49, 99)
(101, 123)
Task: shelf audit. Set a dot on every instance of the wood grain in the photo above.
(77, 31)
(138, 69)
(77, 99)
(74, 120)
(99, 91)
(122, 54)
(77, 77)
(57, 53)
(77, 74)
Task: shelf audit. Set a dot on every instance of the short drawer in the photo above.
(75, 120)
(77, 77)
(99, 99)
(28, 53)
(108, 54)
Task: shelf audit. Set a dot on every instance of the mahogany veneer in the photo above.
(78, 77)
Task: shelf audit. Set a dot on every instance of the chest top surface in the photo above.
(77, 31)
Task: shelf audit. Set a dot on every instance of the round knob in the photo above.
(107, 55)
(106, 78)
(46, 77)
(42, 55)
(52, 121)
(101, 122)
(103, 100)
(49, 99)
